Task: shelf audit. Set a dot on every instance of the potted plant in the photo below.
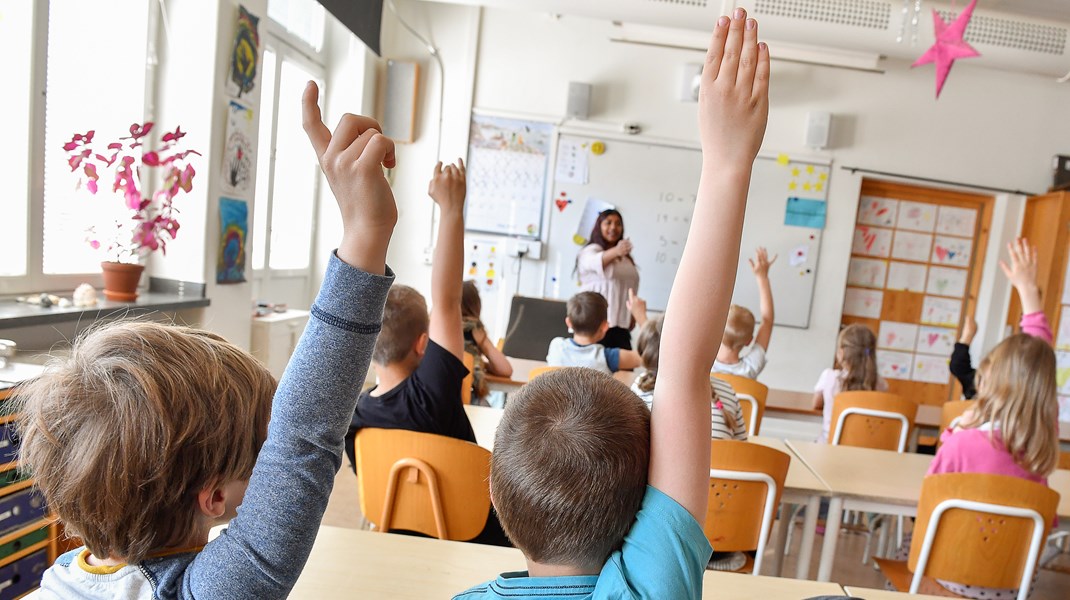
(153, 217)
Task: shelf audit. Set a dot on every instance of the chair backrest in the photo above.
(951, 410)
(532, 374)
(746, 481)
(878, 420)
(466, 386)
(423, 482)
(1064, 460)
(981, 530)
(752, 396)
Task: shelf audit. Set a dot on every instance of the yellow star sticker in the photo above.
(810, 169)
(823, 176)
(819, 186)
(795, 172)
(806, 186)
(792, 186)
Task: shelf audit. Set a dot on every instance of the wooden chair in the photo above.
(469, 360)
(423, 482)
(950, 412)
(879, 420)
(1064, 460)
(532, 374)
(978, 530)
(752, 396)
(746, 481)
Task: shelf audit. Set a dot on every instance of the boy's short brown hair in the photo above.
(739, 328)
(569, 468)
(122, 434)
(587, 311)
(405, 319)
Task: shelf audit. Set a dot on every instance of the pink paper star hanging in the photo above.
(949, 45)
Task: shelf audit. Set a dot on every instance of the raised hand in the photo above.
(969, 330)
(637, 307)
(352, 158)
(734, 93)
(761, 262)
(1022, 273)
(448, 186)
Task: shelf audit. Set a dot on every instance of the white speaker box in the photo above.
(579, 100)
(818, 126)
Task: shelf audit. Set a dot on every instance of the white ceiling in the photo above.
(1050, 10)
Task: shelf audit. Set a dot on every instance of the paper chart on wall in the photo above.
(858, 302)
(867, 272)
(482, 260)
(936, 340)
(941, 311)
(912, 246)
(894, 365)
(572, 164)
(944, 281)
(1062, 340)
(952, 251)
(916, 216)
(872, 241)
(906, 277)
(953, 220)
(877, 211)
(897, 336)
(1062, 372)
(930, 369)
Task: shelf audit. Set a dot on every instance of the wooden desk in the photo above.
(862, 479)
(484, 420)
(800, 487)
(351, 563)
(719, 585)
(871, 594)
(522, 367)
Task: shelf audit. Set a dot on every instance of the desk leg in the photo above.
(806, 544)
(782, 538)
(832, 534)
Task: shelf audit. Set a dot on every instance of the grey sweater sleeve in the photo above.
(264, 549)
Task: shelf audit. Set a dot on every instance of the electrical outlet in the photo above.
(531, 249)
(429, 253)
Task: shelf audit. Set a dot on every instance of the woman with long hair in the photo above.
(605, 265)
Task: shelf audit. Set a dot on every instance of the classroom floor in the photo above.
(343, 510)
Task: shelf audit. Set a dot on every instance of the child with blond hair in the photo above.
(739, 332)
(146, 435)
(605, 498)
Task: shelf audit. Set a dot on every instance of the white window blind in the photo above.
(16, 43)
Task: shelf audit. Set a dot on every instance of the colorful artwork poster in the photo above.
(1062, 372)
(877, 211)
(239, 154)
(1062, 338)
(944, 312)
(872, 241)
(858, 302)
(897, 336)
(916, 216)
(233, 231)
(912, 246)
(244, 55)
(930, 369)
(936, 340)
(906, 277)
(945, 281)
(894, 365)
(952, 251)
(952, 220)
(867, 272)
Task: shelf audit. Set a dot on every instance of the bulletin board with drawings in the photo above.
(913, 278)
(653, 186)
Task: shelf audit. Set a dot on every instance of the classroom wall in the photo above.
(989, 128)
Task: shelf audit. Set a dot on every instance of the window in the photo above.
(287, 176)
(16, 39)
(80, 66)
(303, 19)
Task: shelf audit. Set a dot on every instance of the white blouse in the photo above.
(613, 282)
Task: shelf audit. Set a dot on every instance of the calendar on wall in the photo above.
(507, 175)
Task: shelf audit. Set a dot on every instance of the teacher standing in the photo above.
(605, 266)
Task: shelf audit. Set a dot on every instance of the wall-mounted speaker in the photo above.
(579, 100)
(818, 127)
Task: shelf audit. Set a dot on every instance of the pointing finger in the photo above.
(312, 120)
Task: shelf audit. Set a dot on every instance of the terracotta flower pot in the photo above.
(120, 281)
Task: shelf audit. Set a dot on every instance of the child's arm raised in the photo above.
(733, 109)
(760, 265)
(1022, 273)
(447, 189)
(265, 547)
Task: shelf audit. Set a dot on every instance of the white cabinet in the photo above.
(275, 336)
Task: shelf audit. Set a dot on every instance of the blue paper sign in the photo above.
(804, 212)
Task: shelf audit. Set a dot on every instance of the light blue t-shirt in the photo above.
(664, 555)
(565, 352)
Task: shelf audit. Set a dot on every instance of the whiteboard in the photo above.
(653, 186)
